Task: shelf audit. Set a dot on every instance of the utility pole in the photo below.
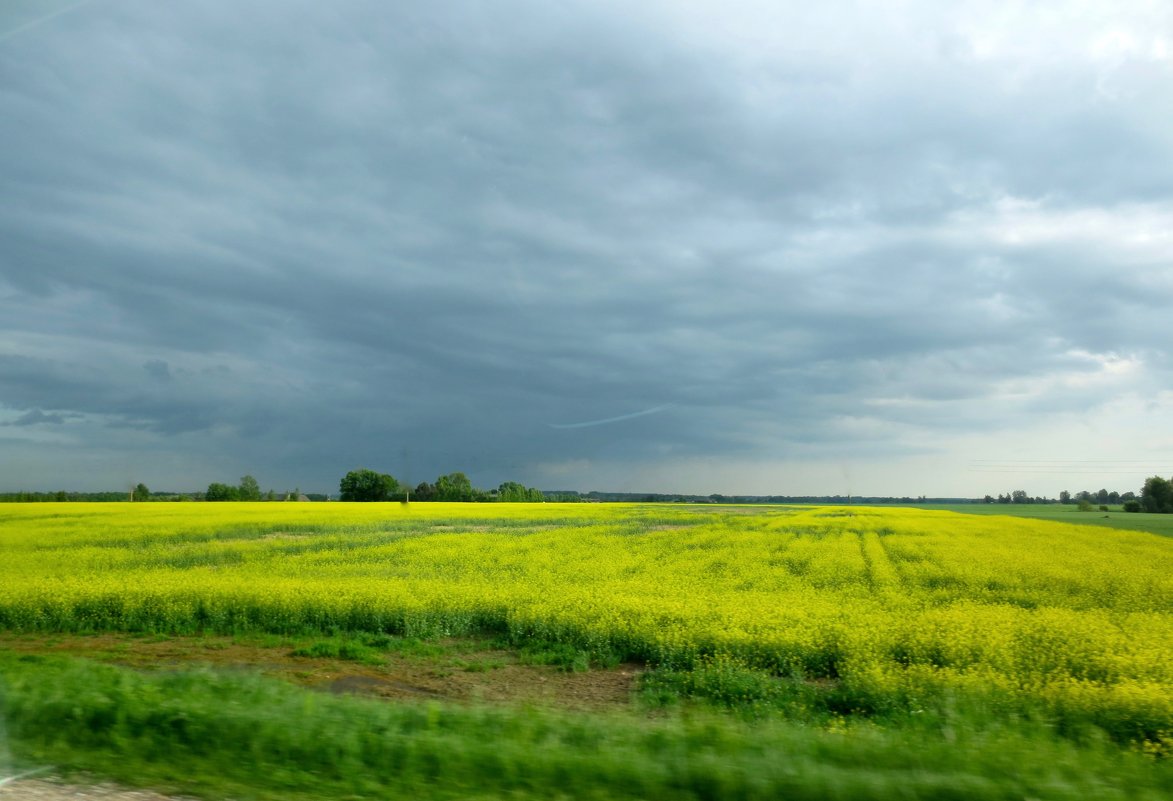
(406, 476)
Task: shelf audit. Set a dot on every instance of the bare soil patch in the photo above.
(462, 671)
(462, 529)
(42, 790)
(528, 684)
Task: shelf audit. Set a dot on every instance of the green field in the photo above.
(346, 651)
(1115, 517)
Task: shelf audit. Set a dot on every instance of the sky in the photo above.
(904, 248)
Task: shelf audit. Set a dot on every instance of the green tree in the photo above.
(367, 485)
(424, 492)
(141, 493)
(250, 490)
(511, 492)
(221, 492)
(454, 487)
(1157, 495)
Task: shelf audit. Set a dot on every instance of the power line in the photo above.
(1065, 472)
(1066, 461)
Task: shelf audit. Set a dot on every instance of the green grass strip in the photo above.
(229, 734)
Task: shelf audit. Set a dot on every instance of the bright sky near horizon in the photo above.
(780, 248)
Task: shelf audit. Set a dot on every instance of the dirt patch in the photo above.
(377, 685)
(152, 652)
(284, 535)
(41, 790)
(462, 529)
(461, 671)
(512, 684)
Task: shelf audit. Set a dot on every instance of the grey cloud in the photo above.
(158, 370)
(346, 234)
(37, 417)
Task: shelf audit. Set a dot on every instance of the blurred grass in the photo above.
(229, 734)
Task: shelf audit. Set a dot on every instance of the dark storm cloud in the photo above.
(37, 417)
(158, 370)
(417, 238)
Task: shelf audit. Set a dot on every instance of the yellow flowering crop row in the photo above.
(895, 601)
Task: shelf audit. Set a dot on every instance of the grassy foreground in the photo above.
(235, 735)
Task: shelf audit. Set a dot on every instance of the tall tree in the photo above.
(510, 492)
(1157, 495)
(221, 492)
(513, 492)
(250, 490)
(141, 493)
(367, 485)
(454, 487)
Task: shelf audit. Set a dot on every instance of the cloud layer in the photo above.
(843, 246)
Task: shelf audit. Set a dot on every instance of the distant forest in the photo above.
(448, 489)
(367, 485)
(1103, 497)
(1156, 496)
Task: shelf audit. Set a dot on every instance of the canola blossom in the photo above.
(898, 604)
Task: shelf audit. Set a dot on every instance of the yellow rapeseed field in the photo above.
(895, 603)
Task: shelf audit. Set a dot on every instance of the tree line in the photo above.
(368, 485)
(61, 496)
(1156, 496)
(139, 493)
(250, 490)
(1065, 497)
